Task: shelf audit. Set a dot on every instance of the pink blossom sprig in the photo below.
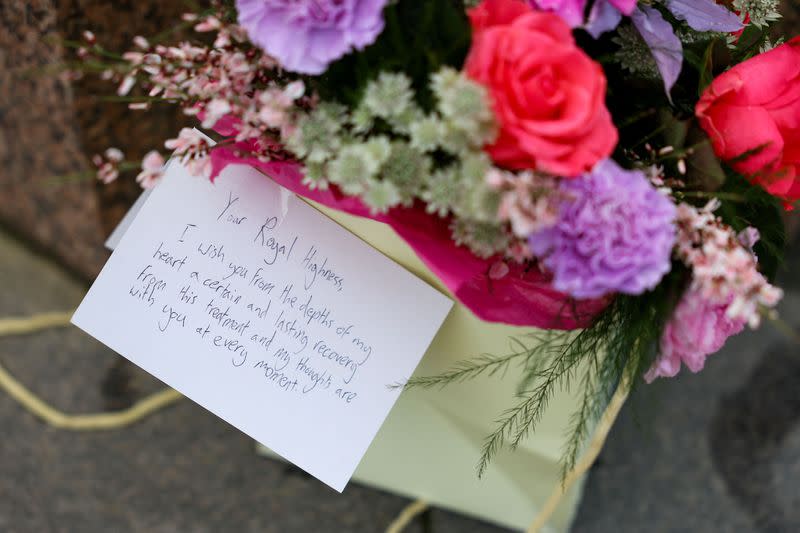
(108, 164)
(725, 271)
(230, 80)
(192, 148)
(528, 201)
(152, 170)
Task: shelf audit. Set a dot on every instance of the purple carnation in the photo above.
(569, 10)
(305, 36)
(615, 233)
(604, 15)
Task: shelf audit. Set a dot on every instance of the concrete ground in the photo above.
(180, 470)
(717, 451)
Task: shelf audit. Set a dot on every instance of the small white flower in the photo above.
(141, 42)
(295, 90)
(214, 111)
(152, 170)
(114, 154)
(126, 85)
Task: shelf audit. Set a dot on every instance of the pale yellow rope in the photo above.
(589, 457)
(408, 514)
(159, 400)
(20, 326)
(59, 419)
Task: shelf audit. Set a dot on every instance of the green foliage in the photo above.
(703, 64)
(420, 37)
(633, 54)
(749, 43)
(745, 204)
(623, 340)
(705, 57)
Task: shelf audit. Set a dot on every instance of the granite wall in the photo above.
(50, 127)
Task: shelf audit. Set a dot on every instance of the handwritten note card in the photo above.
(267, 313)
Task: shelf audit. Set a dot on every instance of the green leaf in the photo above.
(704, 170)
(707, 70)
(418, 39)
(749, 43)
(755, 207)
(675, 131)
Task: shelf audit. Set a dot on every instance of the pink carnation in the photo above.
(698, 328)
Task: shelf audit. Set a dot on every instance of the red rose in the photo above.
(752, 114)
(547, 94)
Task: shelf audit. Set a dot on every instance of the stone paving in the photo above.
(718, 451)
(180, 470)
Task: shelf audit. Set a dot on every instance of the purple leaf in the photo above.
(705, 15)
(664, 44)
(602, 18)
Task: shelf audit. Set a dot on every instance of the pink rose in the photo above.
(548, 96)
(752, 114)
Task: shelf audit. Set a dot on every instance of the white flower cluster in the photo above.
(762, 12)
(390, 152)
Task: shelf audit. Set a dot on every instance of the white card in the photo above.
(270, 315)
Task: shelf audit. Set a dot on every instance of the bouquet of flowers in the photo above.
(610, 172)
